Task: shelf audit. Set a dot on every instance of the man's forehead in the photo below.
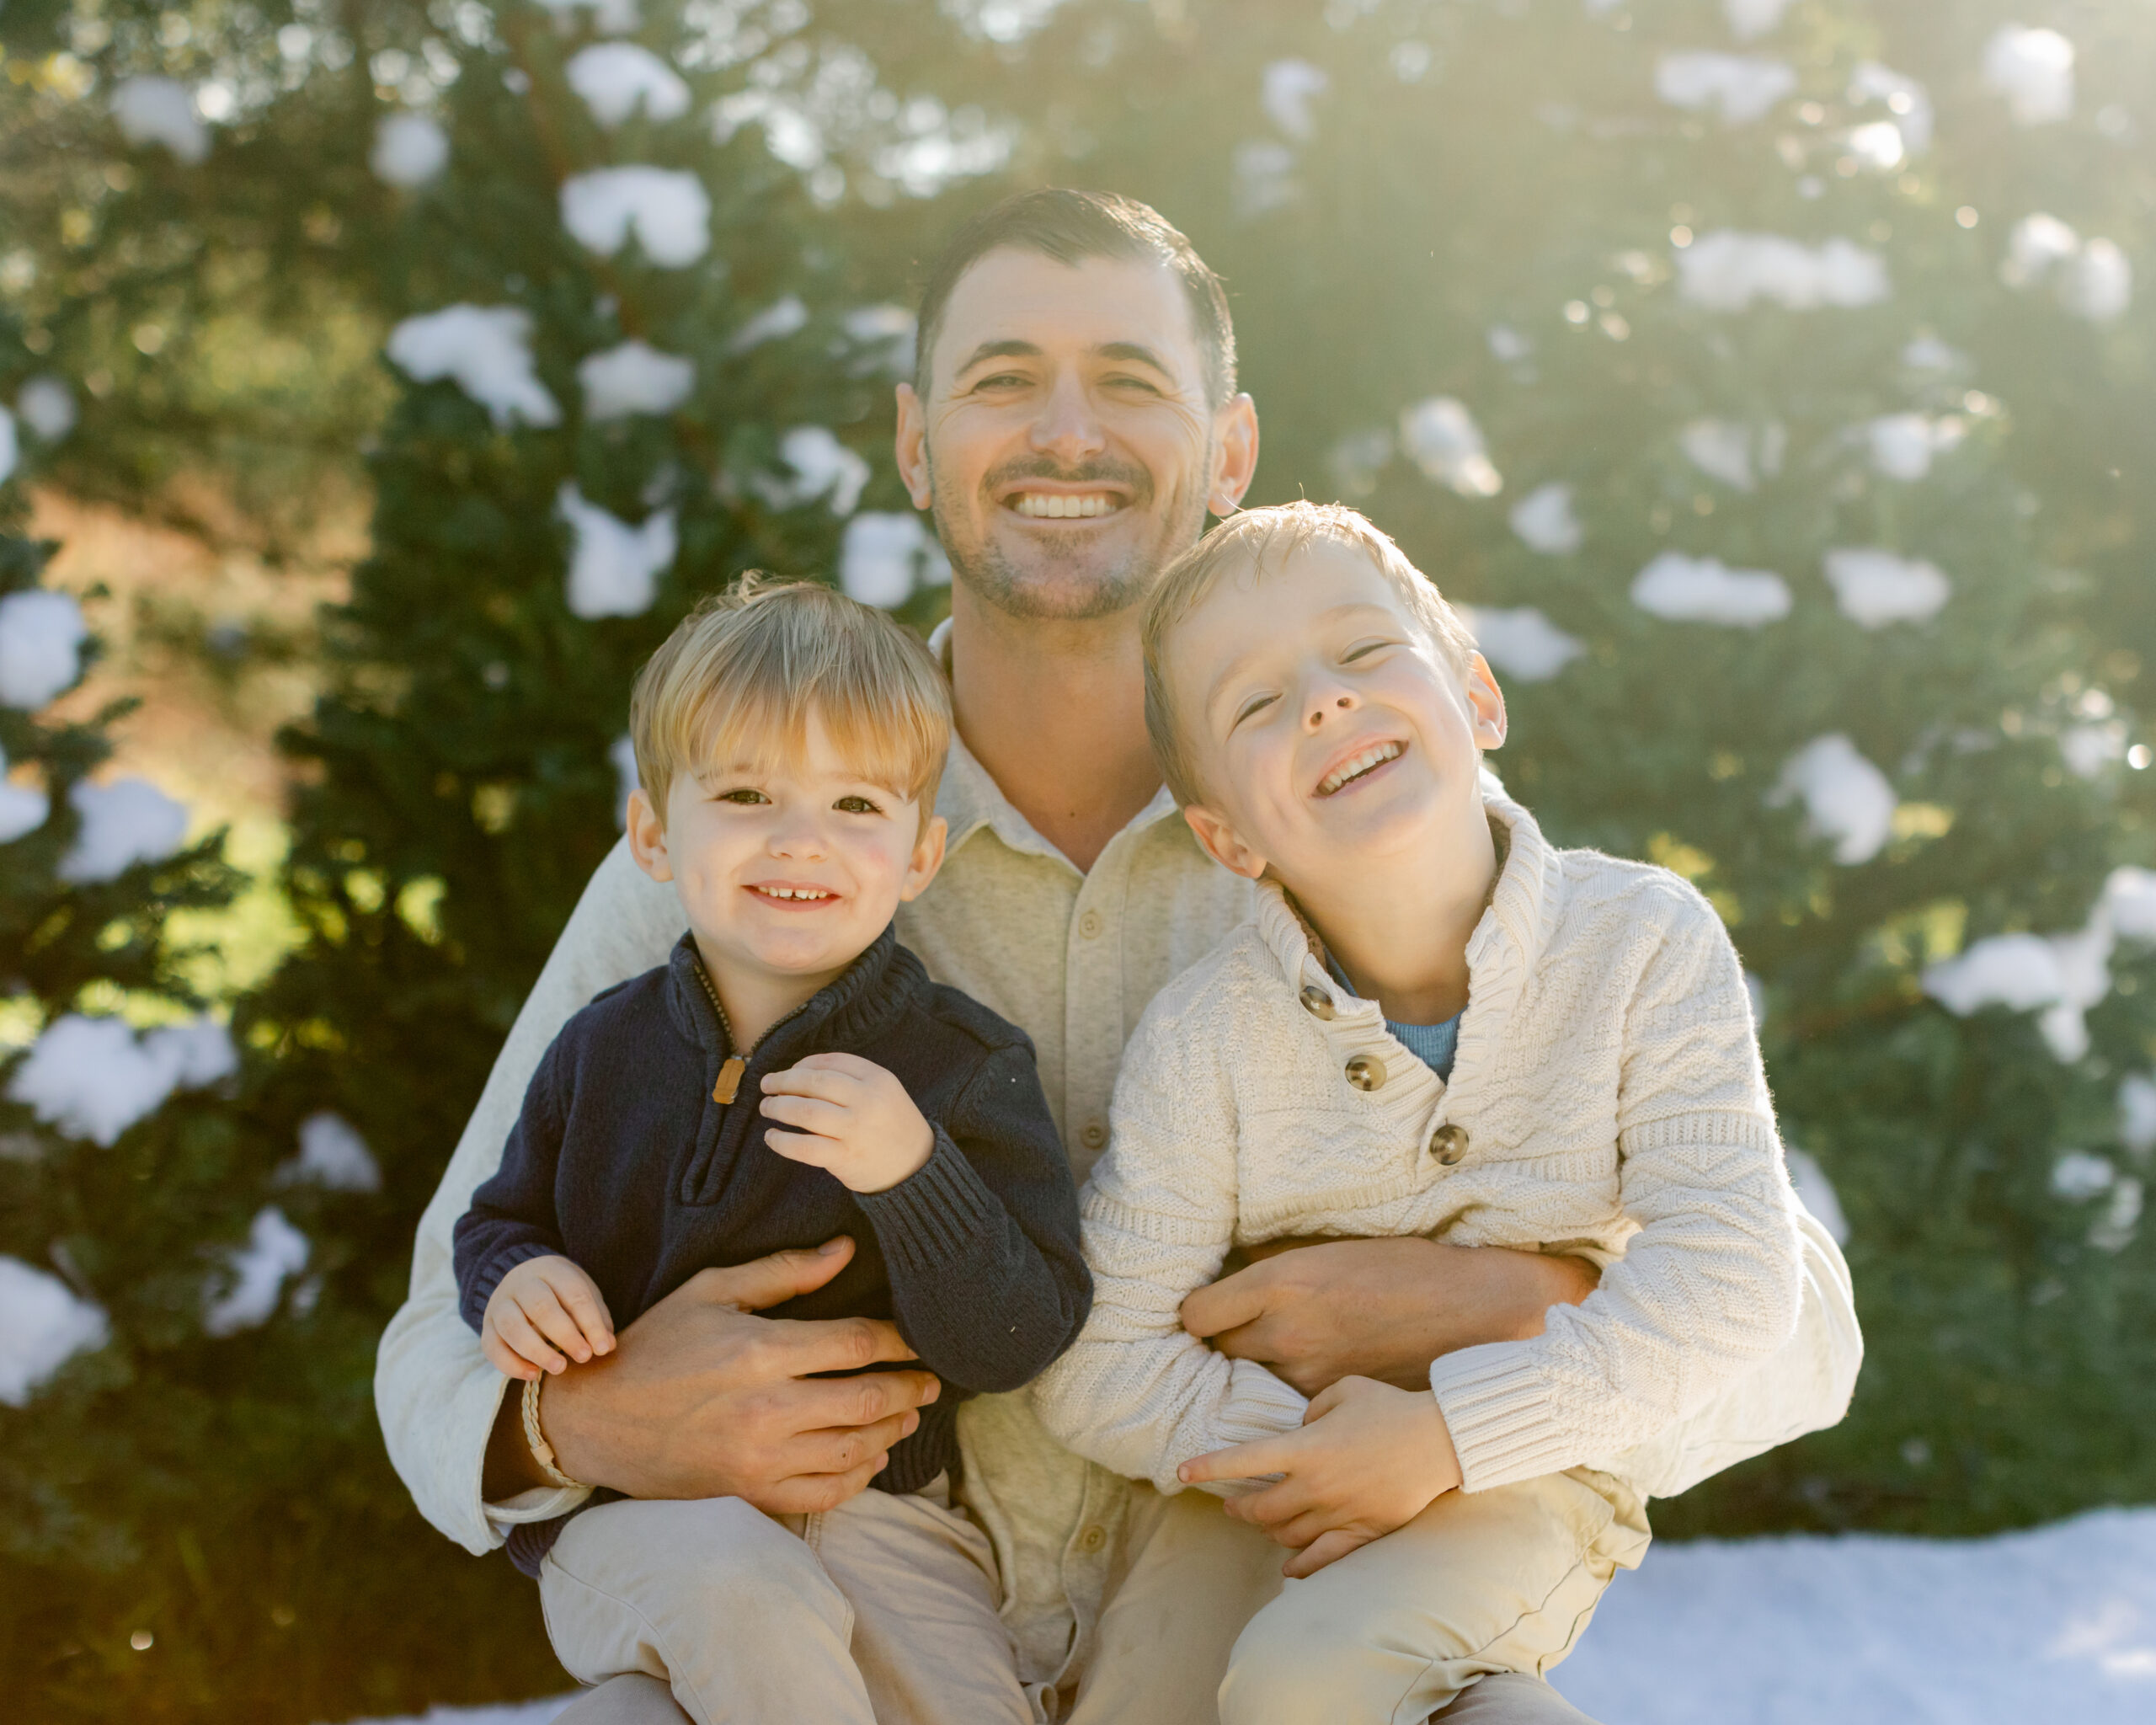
(1014, 296)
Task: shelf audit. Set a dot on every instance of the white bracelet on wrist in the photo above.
(542, 1452)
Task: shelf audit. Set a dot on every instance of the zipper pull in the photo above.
(729, 1079)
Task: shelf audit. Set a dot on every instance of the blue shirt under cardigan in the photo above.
(623, 1163)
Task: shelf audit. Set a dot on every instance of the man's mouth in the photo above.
(1062, 506)
(1360, 764)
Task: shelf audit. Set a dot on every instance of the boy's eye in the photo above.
(855, 805)
(1250, 708)
(1362, 649)
(743, 793)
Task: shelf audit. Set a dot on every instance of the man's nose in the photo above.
(1328, 703)
(1067, 428)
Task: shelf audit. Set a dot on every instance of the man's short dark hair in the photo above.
(1071, 227)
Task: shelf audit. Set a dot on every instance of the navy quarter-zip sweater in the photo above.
(622, 1162)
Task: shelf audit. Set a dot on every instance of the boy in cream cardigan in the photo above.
(1436, 1024)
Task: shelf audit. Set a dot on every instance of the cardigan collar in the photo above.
(874, 990)
(1507, 941)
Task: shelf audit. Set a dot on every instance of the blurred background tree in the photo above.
(1770, 377)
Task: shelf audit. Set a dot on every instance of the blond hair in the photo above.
(739, 675)
(1248, 540)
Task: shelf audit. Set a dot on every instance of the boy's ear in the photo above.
(927, 858)
(1486, 702)
(1222, 843)
(648, 837)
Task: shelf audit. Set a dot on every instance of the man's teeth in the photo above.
(792, 892)
(1357, 767)
(1056, 506)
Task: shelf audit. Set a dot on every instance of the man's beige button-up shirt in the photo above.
(1073, 958)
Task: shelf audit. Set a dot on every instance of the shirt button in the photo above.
(1448, 1144)
(1095, 1135)
(1366, 1072)
(1093, 1539)
(1090, 924)
(1316, 1001)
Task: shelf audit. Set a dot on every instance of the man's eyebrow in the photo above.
(1008, 349)
(1137, 352)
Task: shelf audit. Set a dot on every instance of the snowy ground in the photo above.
(2059, 1624)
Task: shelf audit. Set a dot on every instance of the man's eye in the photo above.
(855, 805)
(1134, 383)
(1002, 380)
(743, 795)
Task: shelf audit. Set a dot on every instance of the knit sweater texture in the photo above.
(623, 1161)
(1607, 1100)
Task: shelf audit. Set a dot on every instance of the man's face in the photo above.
(1068, 446)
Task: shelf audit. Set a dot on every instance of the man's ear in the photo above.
(1222, 843)
(1235, 461)
(910, 445)
(648, 837)
(1485, 702)
(927, 858)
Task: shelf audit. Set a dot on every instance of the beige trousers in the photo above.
(755, 1620)
(1199, 1627)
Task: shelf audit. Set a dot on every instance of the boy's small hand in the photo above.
(851, 1117)
(544, 1309)
(1369, 1458)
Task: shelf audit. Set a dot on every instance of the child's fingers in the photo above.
(829, 1083)
(1276, 1503)
(809, 1113)
(543, 1308)
(806, 1147)
(499, 1356)
(1328, 1547)
(587, 1306)
(1241, 1461)
(515, 1330)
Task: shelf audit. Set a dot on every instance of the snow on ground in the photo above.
(2054, 1624)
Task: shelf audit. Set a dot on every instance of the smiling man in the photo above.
(1074, 420)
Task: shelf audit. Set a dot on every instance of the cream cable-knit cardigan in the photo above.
(1608, 1101)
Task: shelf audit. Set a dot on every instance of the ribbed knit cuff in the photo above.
(1495, 1405)
(473, 1298)
(1258, 1405)
(937, 1216)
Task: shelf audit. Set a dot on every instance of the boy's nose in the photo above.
(801, 844)
(1323, 709)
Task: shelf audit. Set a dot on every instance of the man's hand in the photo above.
(700, 1399)
(853, 1119)
(1369, 1458)
(1382, 1309)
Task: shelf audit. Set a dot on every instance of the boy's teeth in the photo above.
(1354, 769)
(788, 892)
(1056, 506)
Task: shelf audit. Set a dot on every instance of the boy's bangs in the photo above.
(758, 724)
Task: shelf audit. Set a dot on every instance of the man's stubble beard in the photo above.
(1051, 589)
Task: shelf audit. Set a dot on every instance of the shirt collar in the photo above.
(969, 799)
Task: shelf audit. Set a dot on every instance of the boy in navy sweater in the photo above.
(790, 1075)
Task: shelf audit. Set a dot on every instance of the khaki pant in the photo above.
(754, 1620)
(1199, 1627)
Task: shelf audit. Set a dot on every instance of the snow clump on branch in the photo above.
(2093, 280)
(23, 809)
(667, 208)
(43, 1325)
(617, 78)
(1544, 522)
(634, 378)
(1846, 799)
(126, 822)
(1742, 86)
(93, 1077)
(47, 406)
(1726, 271)
(256, 1273)
(610, 18)
(1748, 18)
(332, 1156)
(160, 110)
(1288, 89)
(819, 465)
(1875, 588)
(1442, 439)
(1902, 445)
(1681, 589)
(409, 150)
(1735, 453)
(1907, 99)
(1521, 642)
(614, 568)
(2034, 71)
(41, 636)
(486, 351)
(884, 555)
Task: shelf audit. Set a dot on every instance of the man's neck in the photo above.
(1413, 964)
(1056, 711)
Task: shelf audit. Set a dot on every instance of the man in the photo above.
(1073, 420)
